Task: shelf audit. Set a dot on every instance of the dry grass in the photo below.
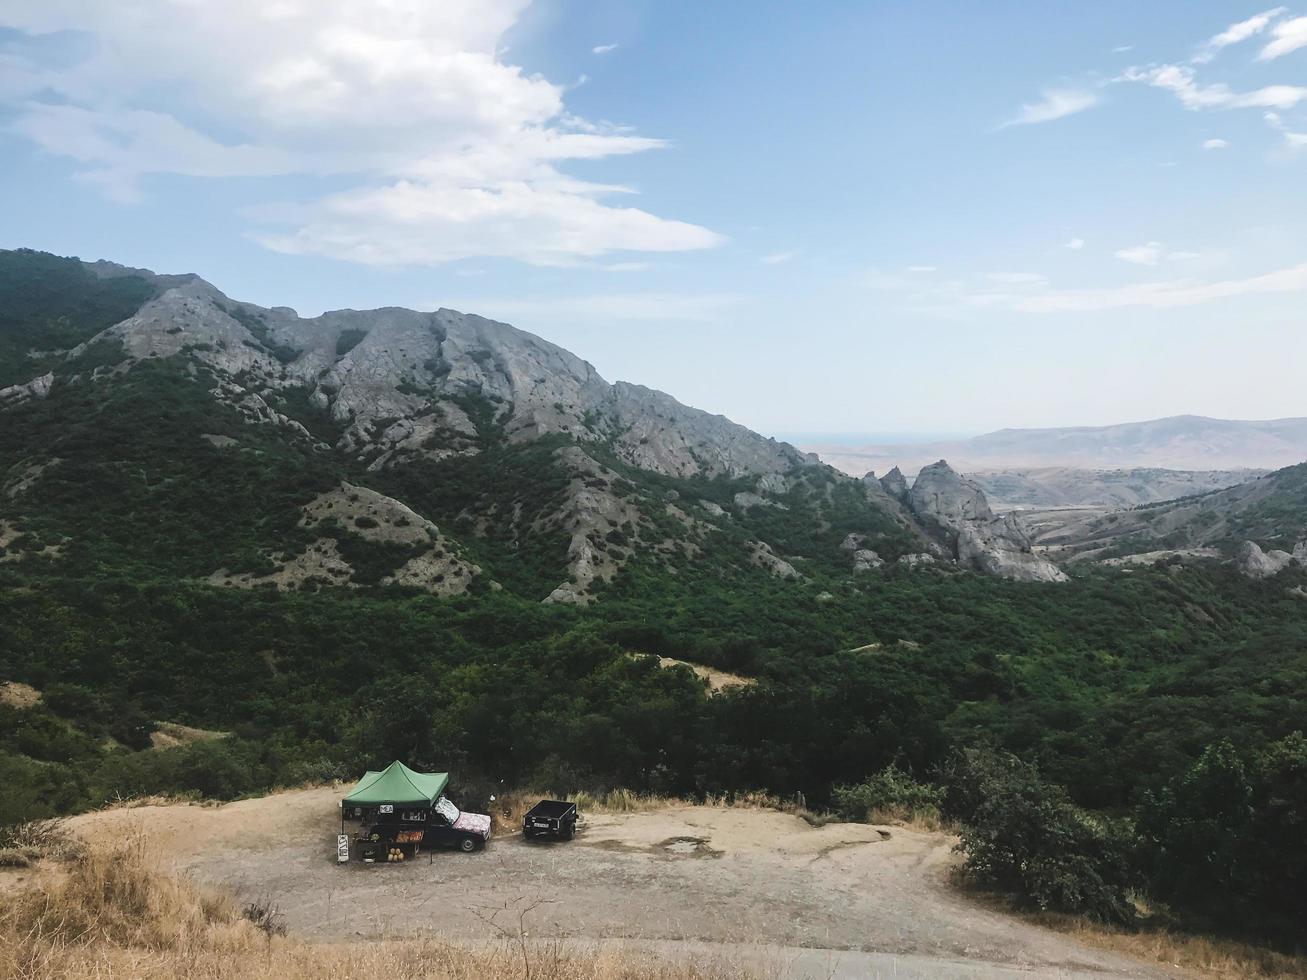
(1197, 955)
(17, 695)
(24, 844)
(170, 735)
(924, 819)
(113, 915)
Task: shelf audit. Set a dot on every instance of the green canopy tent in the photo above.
(397, 785)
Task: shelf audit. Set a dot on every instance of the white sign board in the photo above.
(342, 848)
(386, 808)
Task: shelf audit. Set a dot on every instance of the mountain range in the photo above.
(153, 421)
(1181, 442)
(155, 426)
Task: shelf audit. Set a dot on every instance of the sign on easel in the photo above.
(342, 848)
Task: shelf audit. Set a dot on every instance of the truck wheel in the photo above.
(467, 845)
(529, 834)
(568, 831)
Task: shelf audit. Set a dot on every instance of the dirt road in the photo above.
(752, 886)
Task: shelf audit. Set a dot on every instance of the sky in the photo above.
(904, 219)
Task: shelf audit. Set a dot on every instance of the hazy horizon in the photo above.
(798, 250)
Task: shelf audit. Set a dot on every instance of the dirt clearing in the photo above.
(753, 886)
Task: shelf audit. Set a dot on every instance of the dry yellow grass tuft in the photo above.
(18, 695)
(170, 735)
(113, 915)
(1201, 956)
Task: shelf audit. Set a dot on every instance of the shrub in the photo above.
(1226, 841)
(1024, 837)
(888, 794)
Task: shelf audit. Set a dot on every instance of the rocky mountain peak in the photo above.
(893, 483)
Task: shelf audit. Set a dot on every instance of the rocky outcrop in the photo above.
(762, 556)
(917, 560)
(956, 510)
(945, 498)
(893, 483)
(1253, 562)
(864, 558)
(36, 388)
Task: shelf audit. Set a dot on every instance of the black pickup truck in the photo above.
(553, 818)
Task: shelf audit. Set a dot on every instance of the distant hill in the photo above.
(1182, 442)
(1118, 489)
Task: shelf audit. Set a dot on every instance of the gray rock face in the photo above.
(415, 371)
(1253, 562)
(957, 509)
(893, 483)
(917, 560)
(864, 560)
(36, 388)
(947, 498)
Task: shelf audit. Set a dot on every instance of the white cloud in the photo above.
(921, 268)
(603, 48)
(1123, 48)
(1293, 140)
(626, 267)
(1216, 144)
(1076, 244)
(778, 258)
(1236, 33)
(1055, 104)
(1290, 35)
(1152, 253)
(1182, 82)
(1158, 295)
(444, 150)
(1148, 254)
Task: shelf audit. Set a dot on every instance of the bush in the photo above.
(1024, 837)
(889, 794)
(1226, 841)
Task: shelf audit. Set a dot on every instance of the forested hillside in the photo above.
(158, 534)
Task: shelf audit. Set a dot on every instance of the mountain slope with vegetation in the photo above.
(332, 539)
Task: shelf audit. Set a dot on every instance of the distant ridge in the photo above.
(1179, 442)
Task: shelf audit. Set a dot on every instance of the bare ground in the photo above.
(756, 887)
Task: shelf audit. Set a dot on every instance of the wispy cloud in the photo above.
(602, 307)
(1157, 295)
(778, 258)
(1290, 35)
(1237, 33)
(1017, 278)
(1216, 144)
(626, 267)
(1182, 81)
(1148, 254)
(921, 268)
(1076, 244)
(603, 48)
(1055, 104)
(1152, 253)
(1291, 139)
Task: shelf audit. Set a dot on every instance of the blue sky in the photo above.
(907, 217)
